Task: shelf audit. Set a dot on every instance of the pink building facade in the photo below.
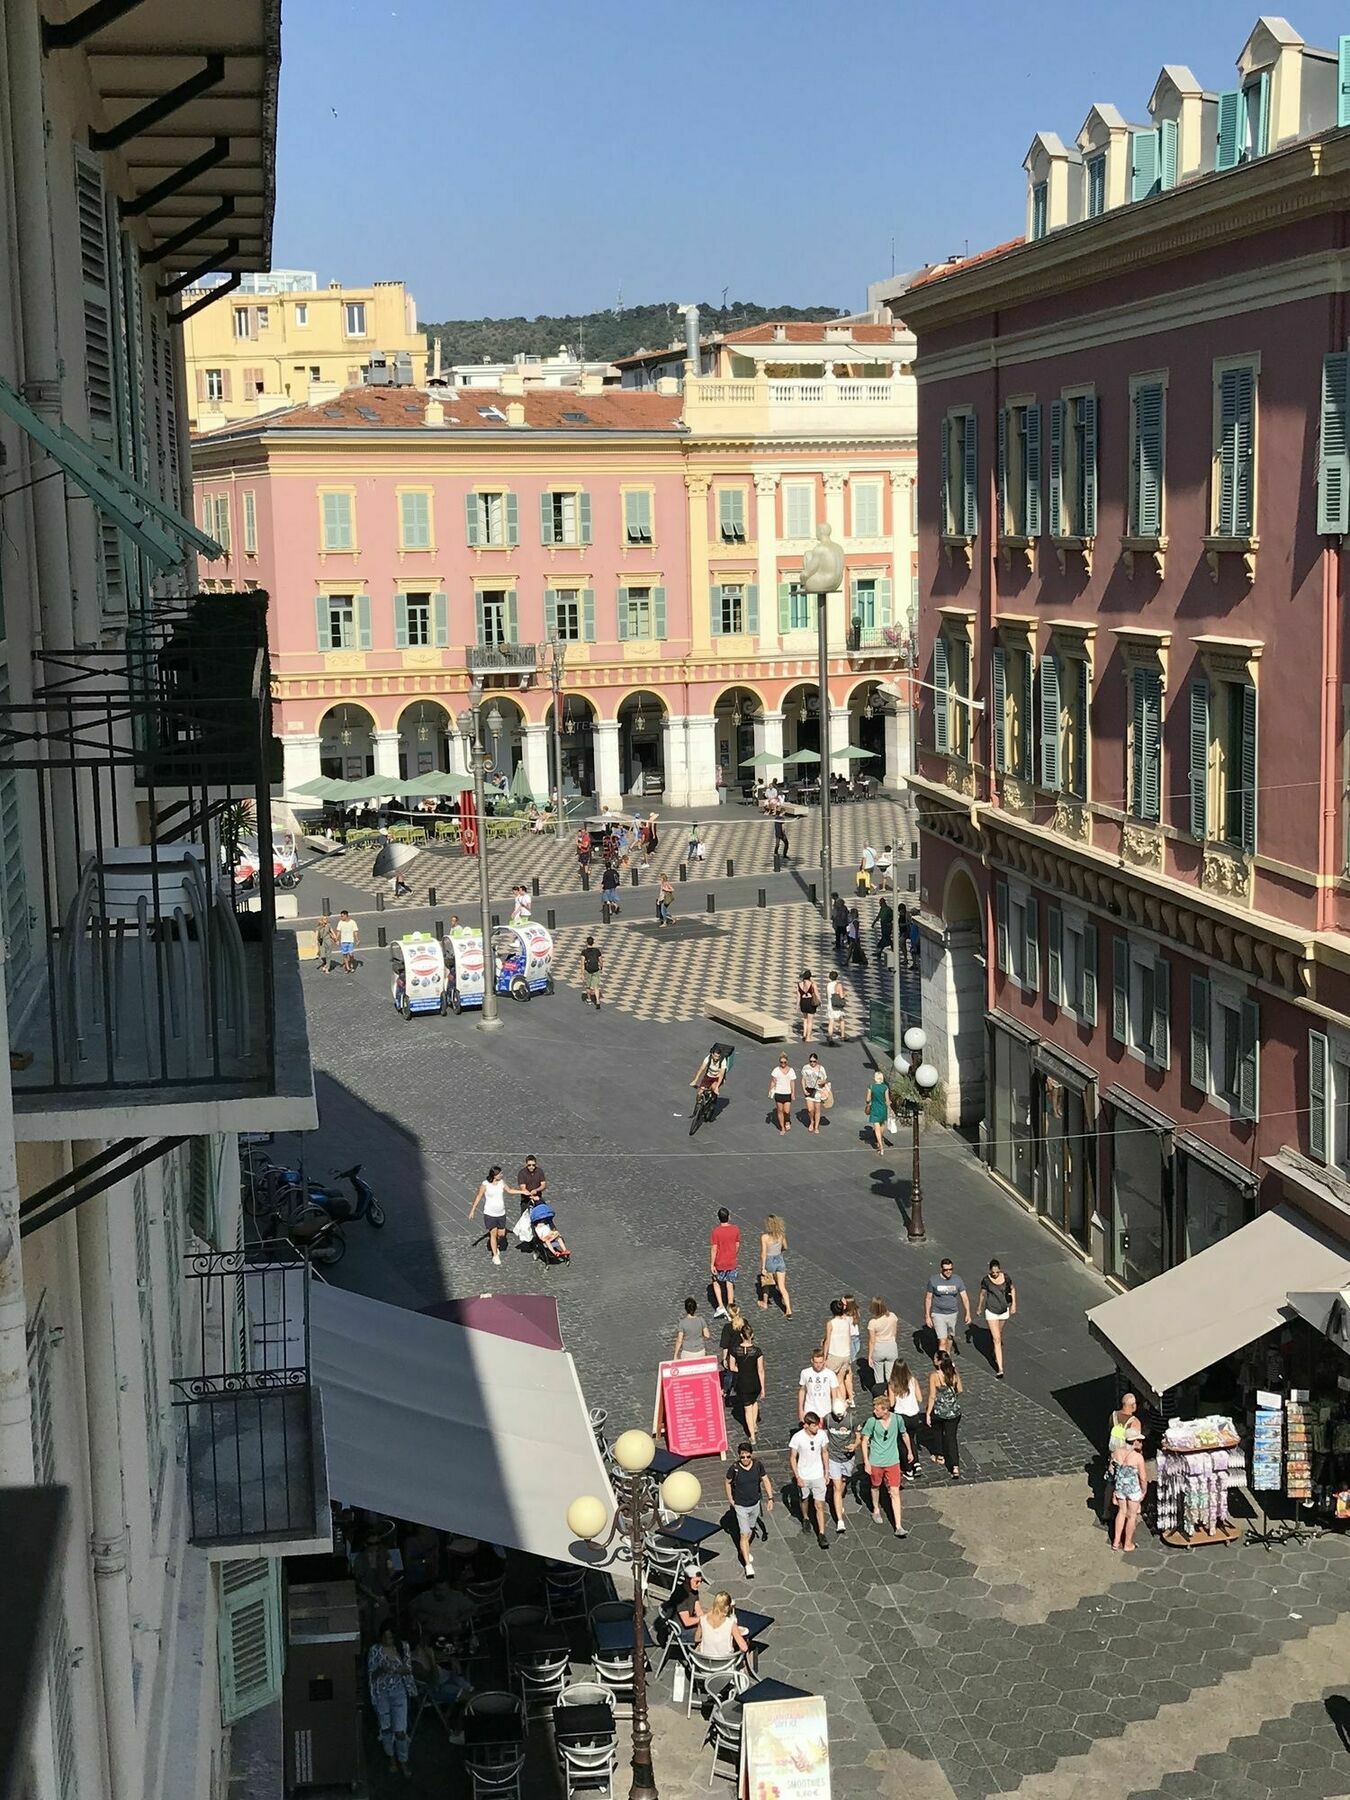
(1132, 738)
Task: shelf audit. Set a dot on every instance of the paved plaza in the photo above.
(1003, 1647)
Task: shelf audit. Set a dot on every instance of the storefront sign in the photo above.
(691, 1405)
(787, 1749)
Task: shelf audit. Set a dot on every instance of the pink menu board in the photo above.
(691, 1404)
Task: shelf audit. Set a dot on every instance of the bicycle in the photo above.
(705, 1105)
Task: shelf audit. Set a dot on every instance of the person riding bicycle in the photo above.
(712, 1071)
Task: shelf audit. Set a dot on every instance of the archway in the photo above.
(502, 723)
(578, 744)
(801, 718)
(867, 712)
(424, 733)
(952, 983)
(642, 752)
(346, 743)
(734, 713)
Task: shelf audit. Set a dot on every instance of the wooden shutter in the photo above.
(472, 520)
(1200, 760)
(546, 517)
(1005, 522)
(751, 619)
(1162, 997)
(1082, 726)
(1167, 154)
(512, 519)
(1087, 412)
(1087, 977)
(400, 621)
(715, 610)
(970, 499)
(1237, 401)
(784, 606)
(1001, 913)
(1144, 162)
(1031, 958)
(480, 616)
(1319, 1060)
(1145, 746)
(1000, 709)
(322, 631)
(1343, 82)
(512, 621)
(249, 1636)
(1050, 722)
(1246, 771)
(1032, 472)
(949, 520)
(1230, 129)
(659, 611)
(884, 600)
(250, 522)
(1200, 1033)
(226, 385)
(1260, 143)
(1096, 173)
(1333, 454)
(941, 691)
(440, 621)
(550, 613)
(583, 518)
(201, 385)
(363, 637)
(92, 219)
(1054, 954)
(1249, 1059)
(1120, 989)
(622, 612)
(1056, 467)
(588, 614)
(1026, 746)
(1148, 459)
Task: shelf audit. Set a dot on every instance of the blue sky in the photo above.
(548, 156)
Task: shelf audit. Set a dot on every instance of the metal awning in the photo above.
(1220, 1301)
(187, 93)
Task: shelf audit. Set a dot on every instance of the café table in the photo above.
(665, 1462)
(689, 1531)
(753, 1624)
(491, 1728)
(614, 1637)
(538, 1640)
(589, 1724)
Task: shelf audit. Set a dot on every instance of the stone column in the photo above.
(769, 740)
(674, 760)
(701, 766)
(899, 750)
(300, 763)
(766, 547)
(839, 724)
(608, 778)
(386, 747)
(538, 754)
(951, 982)
(700, 623)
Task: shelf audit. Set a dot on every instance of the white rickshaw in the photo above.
(417, 974)
(522, 957)
(464, 967)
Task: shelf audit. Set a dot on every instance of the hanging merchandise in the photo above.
(1297, 1461)
(1199, 1461)
(1268, 1445)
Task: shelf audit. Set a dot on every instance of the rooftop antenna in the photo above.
(892, 253)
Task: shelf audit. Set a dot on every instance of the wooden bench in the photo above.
(755, 1024)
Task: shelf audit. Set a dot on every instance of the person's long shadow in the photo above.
(1338, 1711)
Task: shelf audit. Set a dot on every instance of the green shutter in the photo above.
(1237, 408)
(1096, 176)
(1087, 977)
(546, 517)
(1000, 709)
(1039, 209)
(1248, 1060)
(1148, 459)
(1200, 760)
(622, 614)
(550, 613)
(588, 614)
(1230, 129)
(1247, 770)
(1032, 427)
(1262, 142)
(249, 1636)
(1162, 997)
(1056, 468)
(884, 600)
(472, 521)
(1050, 723)
(751, 620)
(512, 519)
(512, 622)
(1167, 154)
(480, 616)
(1319, 1049)
(1031, 960)
(1144, 164)
(1146, 746)
(416, 521)
(784, 606)
(363, 637)
(1054, 954)
(1087, 412)
(1120, 989)
(440, 621)
(970, 499)
(321, 629)
(1004, 522)
(941, 687)
(715, 610)
(1333, 456)
(659, 611)
(1026, 748)
(1083, 681)
(1343, 82)
(1200, 1033)
(583, 518)
(949, 520)
(400, 621)
(1001, 910)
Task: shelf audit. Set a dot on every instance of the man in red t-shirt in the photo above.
(725, 1254)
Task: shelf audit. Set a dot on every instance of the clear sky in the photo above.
(548, 156)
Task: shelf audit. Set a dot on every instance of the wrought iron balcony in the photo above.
(256, 1468)
(876, 640)
(154, 992)
(503, 659)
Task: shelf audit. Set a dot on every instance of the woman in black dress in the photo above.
(748, 1361)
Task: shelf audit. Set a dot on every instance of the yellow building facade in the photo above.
(249, 354)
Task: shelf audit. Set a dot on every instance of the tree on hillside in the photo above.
(600, 336)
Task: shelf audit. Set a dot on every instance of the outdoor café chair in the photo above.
(709, 1676)
(542, 1678)
(495, 1771)
(589, 1768)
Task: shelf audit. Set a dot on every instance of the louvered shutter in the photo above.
(1120, 989)
(1031, 962)
(201, 385)
(1319, 1056)
(751, 620)
(440, 621)
(1249, 1059)
(363, 638)
(1032, 428)
(1200, 1033)
(512, 519)
(1000, 709)
(1001, 914)
(1083, 726)
(659, 611)
(1343, 82)
(1148, 459)
(472, 520)
(715, 610)
(1230, 129)
(550, 613)
(1143, 164)
(588, 614)
(249, 1639)
(1050, 722)
(1087, 412)
(941, 687)
(970, 500)
(1247, 771)
(1005, 521)
(94, 277)
(1162, 997)
(546, 517)
(884, 600)
(1200, 760)
(949, 519)
(1027, 737)
(1087, 977)
(622, 613)
(480, 616)
(1260, 142)
(512, 618)
(1333, 456)
(1054, 954)
(1236, 417)
(784, 606)
(1096, 174)
(400, 621)
(226, 385)
(1056, 468)
(583, 518)
(322, 627)
(1167, 154)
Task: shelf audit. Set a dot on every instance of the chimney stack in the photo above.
(690, 312)
(435, 413)
(515, 412)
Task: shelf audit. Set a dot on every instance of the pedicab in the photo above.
(463, 949)
(417, 975)
(522, 957)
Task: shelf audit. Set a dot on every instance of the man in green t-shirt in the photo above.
(881, 1457)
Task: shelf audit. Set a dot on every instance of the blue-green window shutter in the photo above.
(363, 638)
(1248, 1060)
(1200, 1033)
(400, 621)
(583, 518)
(1056, 467)
(1004, 522)
(1026, 748)
(1200, 760)
(480, 618)
(1050, 722)
(1148, 459)
(1247, 770)
(884, 600)
(322, 628)
(1120, 988)
(1096, 174)
(472, 519)
(970, 465)
(659, 611)
(1054, 954)
(1000, 709)
(785, 606)
(1261, 142)
(249, 1637)
(1160, 1043)
(622, 614)
(588, 614)
(949, 519)
(1146, 746)
(1039, 209)
(1143, 164)
(1167, 154)
(1333, 454)
(715, 610)
(512, 622)
(1237, 414)
(512, 519)
(942, 687)
(550, 613)
(1032, 428)
(1031, 962)
(751, 620)
(1001, 909)
(546, 517)
(1087, 412)
(1230, 129)
(440, 620)
(1343, 82)
(1319, 1062)
(1083, 681)
(415, 520)
(1087, 977)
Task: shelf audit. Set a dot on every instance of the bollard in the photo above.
(777, 865)
(585, 882)
(762, 899)
(431, 896)
(327, 907)
(496, 921)
(913, 882)
(438, 928)
(684, 871)
(551, 919)
(534, 886)
(382, 938)
(711, 904)
(811, 891)
(731, 867)
(632, 878)
(379, 901)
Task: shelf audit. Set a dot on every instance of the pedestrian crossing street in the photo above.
(751, 956)
(744, 836)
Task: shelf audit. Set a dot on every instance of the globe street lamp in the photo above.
(638, 1515)
(481, 760)
(823, 575)
(557, 660)
(925, 1079)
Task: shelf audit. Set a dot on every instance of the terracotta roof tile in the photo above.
(404, 408)
(938, 270)
(806, 331)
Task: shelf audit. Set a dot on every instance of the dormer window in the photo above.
(1096, 185)
(1244, 121)
(1040, 208)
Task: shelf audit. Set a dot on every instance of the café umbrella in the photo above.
(851, 753)
(802, 756)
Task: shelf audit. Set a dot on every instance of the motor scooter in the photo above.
(342, 1209)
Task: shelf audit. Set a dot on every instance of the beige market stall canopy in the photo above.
(467, 1430)
(1219, 1301)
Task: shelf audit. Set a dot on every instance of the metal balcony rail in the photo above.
(875, 637)
(491, 659)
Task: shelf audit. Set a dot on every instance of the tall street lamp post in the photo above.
(637, 1517)
(470, 726)
(925, 1078)
(557, 658)
(823, 575)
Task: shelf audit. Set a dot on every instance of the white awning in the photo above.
(1219, 1301)
(458, 1428)
(1328, 1312)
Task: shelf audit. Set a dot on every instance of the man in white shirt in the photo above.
(806, 1452)
(817, 1388)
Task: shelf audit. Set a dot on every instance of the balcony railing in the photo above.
(879, 640)
(502, 659)
(256, 1470)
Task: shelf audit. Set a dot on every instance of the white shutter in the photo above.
(98, 346)
(249, 1637)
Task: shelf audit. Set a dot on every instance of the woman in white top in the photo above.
(782, 1086)
(815, 1090)
(718, 1634)
(491, 1196)
(907, 1396)
(836, 1000)
(883, 1343)
(837, 1342)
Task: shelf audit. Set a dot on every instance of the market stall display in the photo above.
(1199, 1461)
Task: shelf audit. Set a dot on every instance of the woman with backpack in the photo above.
(944, 1411)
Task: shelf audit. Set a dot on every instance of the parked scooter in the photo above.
(341, 1208)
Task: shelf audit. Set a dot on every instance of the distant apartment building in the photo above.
(253, 352)
(1134, 502)
(564, 368)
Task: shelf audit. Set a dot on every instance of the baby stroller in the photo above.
(537, 1231)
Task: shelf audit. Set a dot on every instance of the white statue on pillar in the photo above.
(823, 564)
